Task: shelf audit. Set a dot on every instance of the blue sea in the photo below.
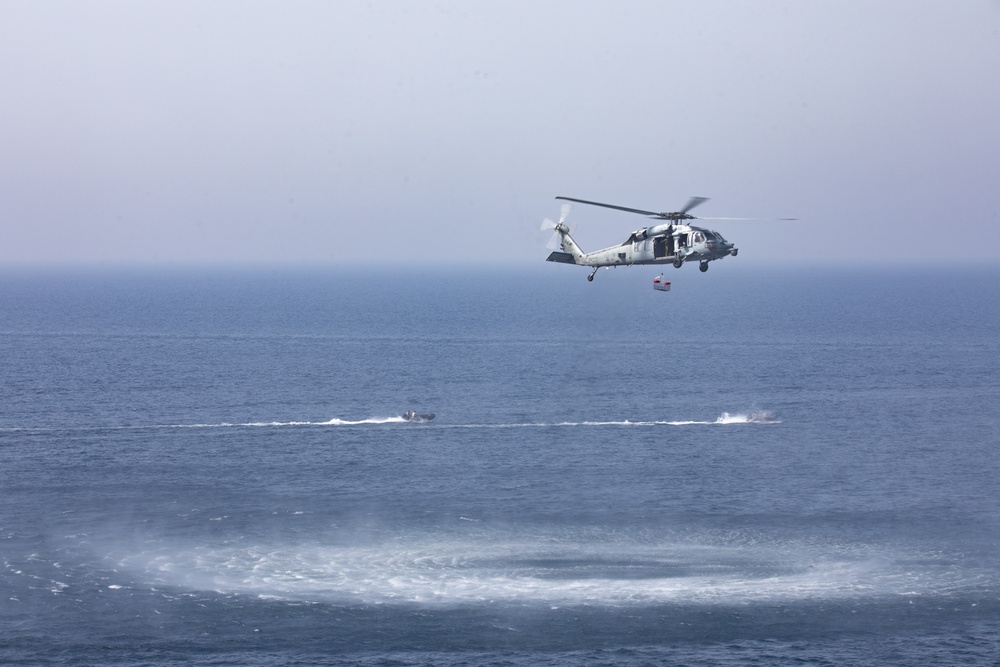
(764, 466)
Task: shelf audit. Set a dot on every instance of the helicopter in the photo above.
(673, 241)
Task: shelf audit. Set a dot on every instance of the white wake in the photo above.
(726, 418)
(543, 571)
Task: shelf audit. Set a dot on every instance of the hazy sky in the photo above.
(331, 132)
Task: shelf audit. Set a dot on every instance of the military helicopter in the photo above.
(673, 242)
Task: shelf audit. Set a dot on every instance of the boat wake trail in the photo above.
(330, 422)
(756, 417)
(726, 418)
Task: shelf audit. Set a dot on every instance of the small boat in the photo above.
(412, 416)
(763, 417)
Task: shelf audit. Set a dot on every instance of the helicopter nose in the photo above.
(724, 248)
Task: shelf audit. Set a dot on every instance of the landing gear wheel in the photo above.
(677, 263)
(590, 278)
(703, 267)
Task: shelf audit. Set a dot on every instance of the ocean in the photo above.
(763, 466)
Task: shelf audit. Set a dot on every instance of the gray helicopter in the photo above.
(673, 242)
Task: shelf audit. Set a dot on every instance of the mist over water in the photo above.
(215, 470)
(558, 568)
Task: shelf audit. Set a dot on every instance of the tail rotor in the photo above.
(556, 240)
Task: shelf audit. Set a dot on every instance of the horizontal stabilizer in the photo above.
(561, 257)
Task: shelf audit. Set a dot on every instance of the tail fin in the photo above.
(571, 253)
(561, 257)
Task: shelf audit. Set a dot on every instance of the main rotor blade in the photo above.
(694, 201)
(619, 208)
(673, 215)
(700, 218)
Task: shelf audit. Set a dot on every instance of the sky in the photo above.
(420, 132)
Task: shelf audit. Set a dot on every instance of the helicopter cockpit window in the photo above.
(710, 236)
(699, 237)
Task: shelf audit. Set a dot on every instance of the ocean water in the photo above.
(763, 466)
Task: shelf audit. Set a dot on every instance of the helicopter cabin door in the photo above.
(663, 246)
(659, 248)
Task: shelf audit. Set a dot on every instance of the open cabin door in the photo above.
(663, 246)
